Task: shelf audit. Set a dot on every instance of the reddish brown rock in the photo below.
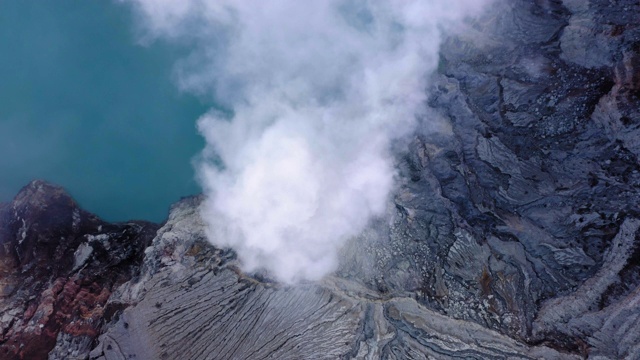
(58, 267)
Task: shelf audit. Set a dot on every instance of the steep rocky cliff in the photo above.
(58, 268)
(514, 234)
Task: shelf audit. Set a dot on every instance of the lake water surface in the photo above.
(84, 106)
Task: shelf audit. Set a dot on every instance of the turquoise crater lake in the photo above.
(84, 106)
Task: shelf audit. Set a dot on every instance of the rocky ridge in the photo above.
(58, 268)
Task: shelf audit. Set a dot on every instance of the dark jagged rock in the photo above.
(514, 233)
(523, 203)
(58, 267)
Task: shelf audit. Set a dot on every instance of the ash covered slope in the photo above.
(514, 236)
(191, 302)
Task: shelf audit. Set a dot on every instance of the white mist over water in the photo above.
(318, 91)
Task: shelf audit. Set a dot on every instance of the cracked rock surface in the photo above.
(513, 235)
(192, 302)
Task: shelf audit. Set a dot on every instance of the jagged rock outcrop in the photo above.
(513, 235)
(58, 267)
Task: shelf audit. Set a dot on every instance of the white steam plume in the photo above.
(318, 90)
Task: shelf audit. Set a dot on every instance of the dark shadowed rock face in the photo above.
(514, 234)
(58, 267)
(535, 191)
(532, 200)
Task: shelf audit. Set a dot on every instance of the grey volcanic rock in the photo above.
(192, 302)
(513, 235)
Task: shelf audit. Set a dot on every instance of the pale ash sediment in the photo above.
(190, 307)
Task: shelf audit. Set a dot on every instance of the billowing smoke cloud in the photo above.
(317, 91)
